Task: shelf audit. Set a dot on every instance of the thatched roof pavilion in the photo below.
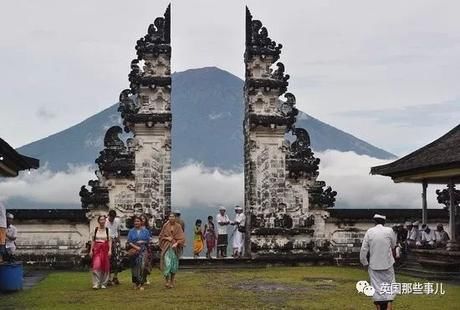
(11, 162)
(435, 163)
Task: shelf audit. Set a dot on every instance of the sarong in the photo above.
(2, 236)
(100, 263)
(139, 264)
(2, 243)
(170, 262)
(197, 246)
(380, 277)
(222, 240)
(210, 241)
(116, 259)
(238, 241)
(101, 256)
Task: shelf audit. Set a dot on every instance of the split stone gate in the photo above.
(285, 205)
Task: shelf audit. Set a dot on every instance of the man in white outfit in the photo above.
(378, 243)
(222, 235)
(414, 236)
(11, 235)
(113, 223)
(238, 232)
(428, 238)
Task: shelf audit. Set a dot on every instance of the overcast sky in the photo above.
(384, 71)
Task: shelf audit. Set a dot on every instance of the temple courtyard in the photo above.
(255, 288)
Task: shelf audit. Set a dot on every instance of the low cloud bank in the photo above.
(348, 174)
(195, 185)
(45, 186)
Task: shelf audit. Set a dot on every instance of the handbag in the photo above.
(133, 252)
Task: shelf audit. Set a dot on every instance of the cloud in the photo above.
(195, 185)
(348, 174)
(45, 114)
(44, 186)
(215, 116)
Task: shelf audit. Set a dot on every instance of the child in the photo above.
(210, 236)
(198, 239)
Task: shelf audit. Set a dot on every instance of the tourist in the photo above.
(113, 223)
(414, 237)
(378, 243)
(428, 238)
(238, 232)
(210, 237)
(2, 231)
(11, 235)
(172, 241)
(198, 239)
(222, 236)
(138, 239)
(100, 252)
(148, 264)
(179, 220)
(441, 236)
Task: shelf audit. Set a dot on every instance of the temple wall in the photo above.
(51, 242)
(62, 241)
(346, 236)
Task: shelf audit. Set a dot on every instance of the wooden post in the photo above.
(452, 212)
(424, 203)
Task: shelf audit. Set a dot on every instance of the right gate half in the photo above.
(285, 205)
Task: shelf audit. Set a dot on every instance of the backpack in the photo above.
(106, 231)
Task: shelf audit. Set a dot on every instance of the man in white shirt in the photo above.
(113, 223)
(414, 236)
(428, 238)
(238, 232)
(2, 231)
(11, 234)
(378, 243)
(222, 236)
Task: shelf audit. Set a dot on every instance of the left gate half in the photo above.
(134, 168)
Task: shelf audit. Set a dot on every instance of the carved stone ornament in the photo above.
(158, 37)
(321, 198)
(443, 196)
(300, 160)
(257, 40)
(97, 197)
(115, 160)
(138, 78)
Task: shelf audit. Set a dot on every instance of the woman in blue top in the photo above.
(138, 239)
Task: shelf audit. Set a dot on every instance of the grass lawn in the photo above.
(263, 288)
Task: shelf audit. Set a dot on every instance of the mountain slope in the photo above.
(207, 107)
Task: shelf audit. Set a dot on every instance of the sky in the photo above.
(384, 71)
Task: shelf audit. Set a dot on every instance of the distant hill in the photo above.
(207, 107)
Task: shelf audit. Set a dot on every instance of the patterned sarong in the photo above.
(170, 263)
(116, 260)
(139, 266)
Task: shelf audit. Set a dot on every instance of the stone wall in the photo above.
(58, 237)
